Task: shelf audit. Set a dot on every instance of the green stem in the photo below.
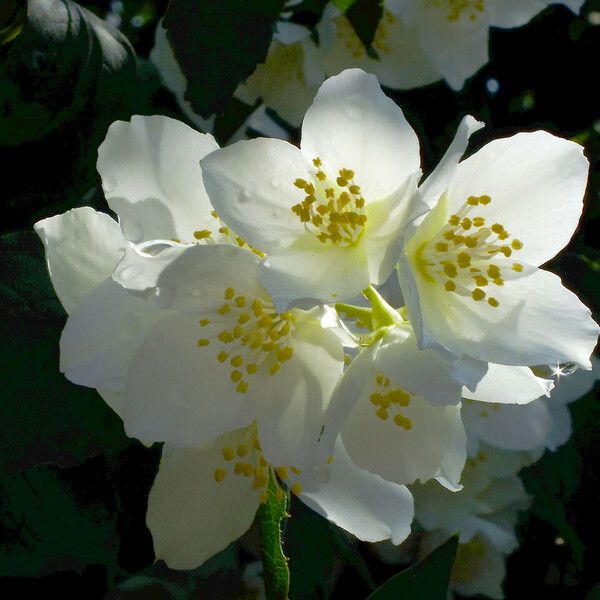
(271, 514)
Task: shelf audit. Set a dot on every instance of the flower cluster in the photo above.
(238, 313)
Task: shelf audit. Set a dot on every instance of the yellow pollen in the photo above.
(516, 244)
(296, 470)
(240, 301)
(219, 475)
(242, 450)
(493, 302)
(478, 221)
(225, 337)
(282, 472)
(317, 162)
(202, 234)
(224, 230)
(236, 376)
(242, 387)
(454, 220)
(203, 342)
(237, 361)
(251, 368)
(517, 267)
(227, 453)
(222, 356)
(296, 488)
(466, 223)
(450, 286)
(243, 318)
(285, 354)
(450, 270)
(478, 294)
(480, 281)
(441, 247)
(274, 368)
(382, 413)
(204, 322)
(224, 309)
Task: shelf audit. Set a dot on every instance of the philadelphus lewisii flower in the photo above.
(328, 215)
(170, 324)
(470, 269)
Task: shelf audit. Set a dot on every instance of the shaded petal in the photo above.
(192, 516)
(291, 410)
(508, 426)
(190, 278)
(180, 393)
(364, 504)
(509, 385)
(352, 124)
(251, 185)
(151, 178)
(82, 249)
(536, 182)
(102, 335)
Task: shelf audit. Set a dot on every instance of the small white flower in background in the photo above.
(330, 214)
(470, 269)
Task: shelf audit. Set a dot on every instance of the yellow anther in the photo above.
(441, 247)
(225, 336)
(321, 176)
(257, 308)
(243, 318)
(269, 346)
(478, 221)
(478, 294)
(382, 413)
(247, 469)
(202, 234)
(360, 202)
(454, 220)
(375, 398)
(493, 302)
(466, 223)
(242, 450)
(296, 488)
(237, 361)
(204, 322)
(407, 423)
(484, 200)
(449, 235)
(341, 181)
(240, 301)
(517, 267)
(480, 280)
(498, 281)
(506, 251)
(347, 359)
(224, 309)
(472, 201)
(450, 270)
(203, 342)
(516, 244)
(471, 241)
(263, 498)
(463, 260)
(265, 321)
(450, 286)
(330, 459)
(237, 331)
(285, 354)
(484, 414)
(282, 472)
(300, 183)
(251, 368)
(493, 272)
(458, 239)
(224, 230)
(497, 228)
(236, 376)
(296, 470)
(354, 189)
(386, 382)
(227, 453)
(219, 475)
(317, 161)
(329, 192)
(399, 420)
(309, 188)
(214, 214)
(240, 242)
(274, 368)
(222, 356)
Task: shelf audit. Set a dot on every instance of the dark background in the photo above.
(73, 488)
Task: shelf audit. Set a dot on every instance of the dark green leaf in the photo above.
(219, 44)
(46, 526)
(43, 417)
(271, 515)
(344, 5)
(428, 579)
(364, 15)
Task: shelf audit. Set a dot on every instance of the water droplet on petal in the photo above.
(162, 296)
(353, 108)
(132, 229)
(321, 474)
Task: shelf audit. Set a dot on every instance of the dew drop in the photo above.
(132, 229)
(353, 108)
(162, 296)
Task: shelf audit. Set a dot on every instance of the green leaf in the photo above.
(428, 579)
(219, 44)
(364, 15)
(48, 524)
(344, 5)
(270, 516)
(13, 15)
(43, 417)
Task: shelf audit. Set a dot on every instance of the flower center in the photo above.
(255, 340)
(390, 401)
(456, 8)
(461, 255)
(247, 460)
(332, 210)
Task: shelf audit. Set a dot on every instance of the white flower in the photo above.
(469, 271)
(398, 410)
(204, 498)
(453, 34)
(329, 215)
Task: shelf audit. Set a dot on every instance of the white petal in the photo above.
(509, 385)
(536, 182)
(538, 321)
(514, 13)
(101, 336)
(572, 387)
(180, 393)
(364, 504)
(290, 33)
(451, 468)
(82, 249)
(292, 403)
(192, 516)
(435, 184)
(334, 274)
(152, 180)
(190, 278)
(457, 48)
(352, 124)
(251, 184)
(402, 63)
(561, 428)
(508, 426)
